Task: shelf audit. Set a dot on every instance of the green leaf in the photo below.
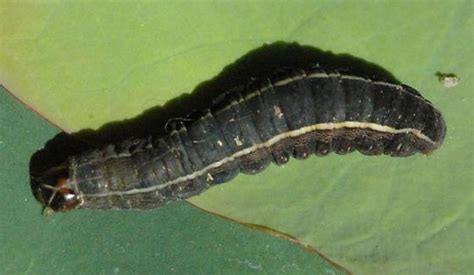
(82, 64)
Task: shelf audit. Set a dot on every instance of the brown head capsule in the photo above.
(54, 191)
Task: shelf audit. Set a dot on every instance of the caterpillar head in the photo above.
(54, 191)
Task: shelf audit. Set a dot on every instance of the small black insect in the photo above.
(301, 113)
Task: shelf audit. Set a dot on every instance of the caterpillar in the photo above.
(296, 114)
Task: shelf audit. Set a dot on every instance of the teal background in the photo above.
(178, 239)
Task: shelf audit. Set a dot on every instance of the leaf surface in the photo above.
(82, 64)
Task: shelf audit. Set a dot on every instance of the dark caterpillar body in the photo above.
(299, 114)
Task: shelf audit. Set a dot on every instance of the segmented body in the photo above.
(301, 114)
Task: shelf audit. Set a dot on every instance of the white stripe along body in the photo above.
(299, 115)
